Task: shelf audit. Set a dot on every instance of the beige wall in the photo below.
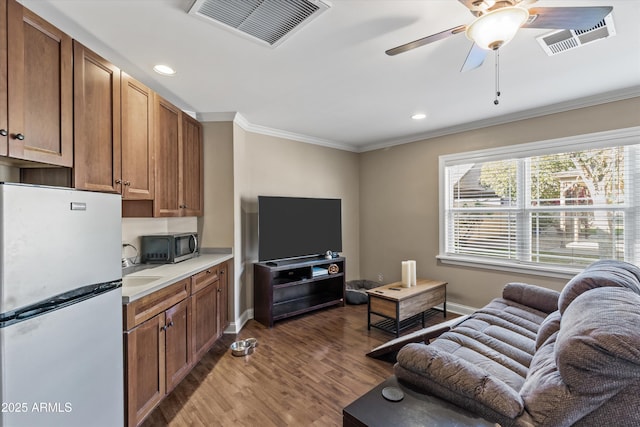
(215, 227)
(399, 198)
(267, 165)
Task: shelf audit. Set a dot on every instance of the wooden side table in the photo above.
(403, 307)
(415, 409)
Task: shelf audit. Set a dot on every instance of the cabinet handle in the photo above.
(118, 181)
(208, 271)
(3, 132)
(219, 290)
(167, 326)
(19, 136)
(127, 182)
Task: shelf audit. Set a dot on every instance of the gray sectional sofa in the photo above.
(536, 357)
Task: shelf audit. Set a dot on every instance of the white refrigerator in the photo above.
(61, 360)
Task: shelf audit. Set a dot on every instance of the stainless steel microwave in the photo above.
(169, 247)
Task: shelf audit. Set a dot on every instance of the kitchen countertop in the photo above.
(141, 283)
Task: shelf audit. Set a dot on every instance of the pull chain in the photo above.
(497, 58)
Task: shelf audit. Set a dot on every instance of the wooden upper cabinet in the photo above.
(39, 75)
(192, 167)
(96, 122)
(4, 119)
(179, 162)
(168, 161)
(138, 162)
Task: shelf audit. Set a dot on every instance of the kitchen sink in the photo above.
(136, 267)
(138, 280)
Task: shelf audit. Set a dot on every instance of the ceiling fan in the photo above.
(498, 21)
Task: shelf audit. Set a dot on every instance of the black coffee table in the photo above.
(415, 409)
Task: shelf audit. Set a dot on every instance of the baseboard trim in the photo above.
(236, 327)
(464, 310)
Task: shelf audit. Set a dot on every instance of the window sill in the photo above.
(512, 267)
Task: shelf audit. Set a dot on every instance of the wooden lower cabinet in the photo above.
(204, 319)
(178, 355)
(167, 333)
(145, 387)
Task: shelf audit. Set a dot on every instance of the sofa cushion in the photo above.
(599, 341)
(548, 327)
(484, 359)
(593, 358)
(457, 379)
(543, 299)
(604, 273)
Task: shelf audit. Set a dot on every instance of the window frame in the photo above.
(618, 137)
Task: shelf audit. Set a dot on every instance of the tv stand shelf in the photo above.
(286, 289)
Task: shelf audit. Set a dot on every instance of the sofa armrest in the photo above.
(533, 296)
(461, 379)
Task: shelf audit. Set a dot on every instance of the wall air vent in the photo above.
(269, 22)
(563, 40)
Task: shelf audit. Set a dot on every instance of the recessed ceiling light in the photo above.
(165, 70)
(419, 116)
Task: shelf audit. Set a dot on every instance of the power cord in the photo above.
(135, 258)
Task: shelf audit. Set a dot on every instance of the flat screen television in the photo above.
(296, 227)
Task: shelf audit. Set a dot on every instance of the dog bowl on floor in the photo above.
(241, 348)
(253, 342)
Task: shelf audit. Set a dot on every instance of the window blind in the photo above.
(544, 203)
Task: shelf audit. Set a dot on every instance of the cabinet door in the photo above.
(168, 134)
(137, 140)
(223, 295)
(4, 123)
(192, 167)
(203, 304)
(145, 368)
(40, 99)
(96, 122)
(178, 343)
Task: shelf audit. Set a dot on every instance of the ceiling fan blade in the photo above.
(475, 58)
(485, 5)
(567, 18)
(426, 40)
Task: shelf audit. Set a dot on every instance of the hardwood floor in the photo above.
(303, 372)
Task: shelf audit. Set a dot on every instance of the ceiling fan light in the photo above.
(496, 28)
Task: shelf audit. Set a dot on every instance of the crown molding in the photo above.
(561, 107)
(241, 121)
(589, 101)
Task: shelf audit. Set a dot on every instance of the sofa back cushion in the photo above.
(589, 364)
(604, 273)
(598, 346)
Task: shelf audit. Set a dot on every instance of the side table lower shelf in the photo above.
(390, 325)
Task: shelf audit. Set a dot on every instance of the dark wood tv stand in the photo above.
(288, 288)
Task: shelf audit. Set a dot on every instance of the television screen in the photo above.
(293, 227)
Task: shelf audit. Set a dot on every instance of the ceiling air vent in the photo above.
(563, 40)
(269, 22)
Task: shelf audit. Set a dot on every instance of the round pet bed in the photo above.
(356, 290)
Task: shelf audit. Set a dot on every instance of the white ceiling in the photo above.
(332, 84)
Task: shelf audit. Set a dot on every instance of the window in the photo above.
(547, 206)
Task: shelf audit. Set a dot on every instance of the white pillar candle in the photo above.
(405, 274)
(412, 272)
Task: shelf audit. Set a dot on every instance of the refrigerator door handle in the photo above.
(57, 302)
